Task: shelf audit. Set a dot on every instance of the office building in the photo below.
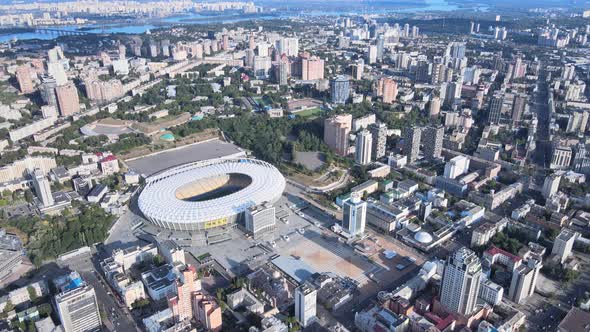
(260, 219)
(495, 109)
(42, 188)
(551, 185)
(354, 215)
(336, 132)
(67, 98)
(490, 292)
(563, 244)
(305, 304)
(77, 309)
(411, 147)
(379, 132)
(312, 68)
(432, 138)
(23, 77)
(457, 166)
(340, 89)
(364, 145)
(461, 281)
(524, 280)
(561, 157)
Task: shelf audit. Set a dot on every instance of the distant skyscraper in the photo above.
(23, 76)
(305, 304)
(42, 188)
(372, 54)
(354, 215)
(461, 280)
(411, 147)
(340, 89)
(336, 131)
(379, 132)
(68, 100)
(283, 70)
(364, 145)
(78, 310)
(380, 47)
(432, 137)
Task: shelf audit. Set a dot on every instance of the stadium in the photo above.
(208, 194)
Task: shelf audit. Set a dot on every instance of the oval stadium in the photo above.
(207, 194)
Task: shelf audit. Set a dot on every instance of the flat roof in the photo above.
(294, 268)
(158, 162)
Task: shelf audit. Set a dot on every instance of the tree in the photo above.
(29, 196)
(32, 293)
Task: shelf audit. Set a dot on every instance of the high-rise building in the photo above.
(372, 54)
(518, 106)
(432, 138)
(354, 215)
(67, 98)
(456, 166)
(305, 304)
(47, 90)
(551, 185)
(207, 311)
(379, 132)
(495, 110)
(312, 68)
(411, 147)
(422, 71)
(340, 89)
(283, 70)
(42, 188)
(387, 89)
(336, 131)
(78, 309)
(380, 47)
(57, 71)
(524, 280)
(182, 303)
(23, 76)
(364, 145)
(434, 109)
(461, 281)
(357, 69)
(262, 66)
(563, 244)
(260, 219)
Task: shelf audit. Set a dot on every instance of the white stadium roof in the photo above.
(160, 203)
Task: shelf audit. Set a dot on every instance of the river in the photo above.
(196, 18)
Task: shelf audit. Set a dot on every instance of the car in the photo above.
(301, 231)
(286, 238)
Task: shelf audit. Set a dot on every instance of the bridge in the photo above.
(60, 32)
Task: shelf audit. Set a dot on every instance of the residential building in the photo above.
(312, 68)
(411, 147)
(387, 89)
(524, 280)
(182, 303)
(336, 132)
(551, 185)
(432, 138)
(379, 132)
(457, 166)
(23, 77)
(340, 89)
(42, 188)
(67, 98)
(364, 145)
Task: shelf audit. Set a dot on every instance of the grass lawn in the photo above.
(309, 112)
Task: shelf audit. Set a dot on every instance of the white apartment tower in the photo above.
(42, 188)
(364, 145)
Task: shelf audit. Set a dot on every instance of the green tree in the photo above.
(32, 293)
